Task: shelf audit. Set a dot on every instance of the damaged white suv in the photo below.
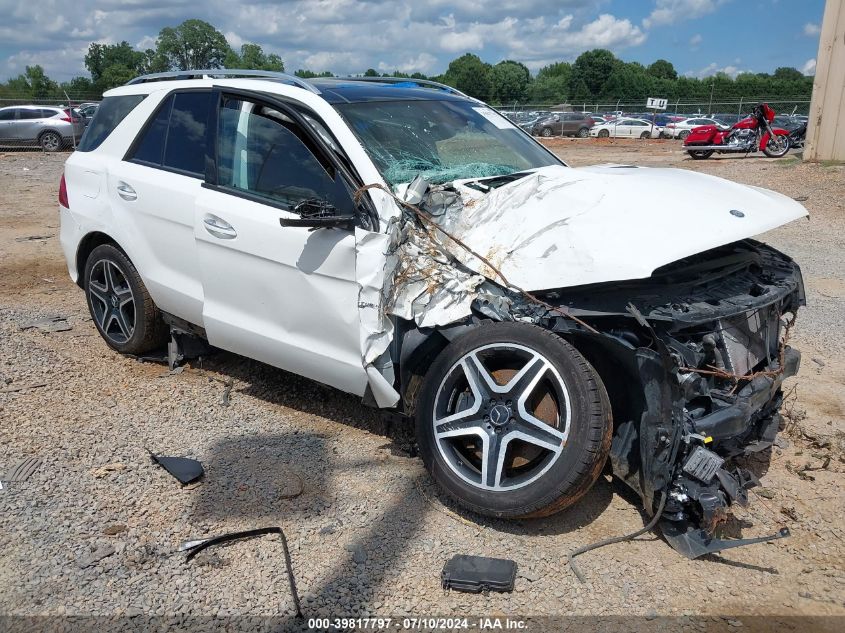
(406, 243)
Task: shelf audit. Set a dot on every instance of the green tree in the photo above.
(470, 75)
(80, 88)
(785, 73)
(112, 65)
(591, 70)
(509, 81)
(662, 70)
(252, 57)
(192, 45)
(310, 74)
(551, 85)
(371, 72)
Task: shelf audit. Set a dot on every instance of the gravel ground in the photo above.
(94, 530)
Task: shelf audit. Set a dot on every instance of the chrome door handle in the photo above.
(218, 227)
(126, 191)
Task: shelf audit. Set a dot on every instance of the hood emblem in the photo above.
(737, 213)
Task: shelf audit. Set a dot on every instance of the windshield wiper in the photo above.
(488, 184)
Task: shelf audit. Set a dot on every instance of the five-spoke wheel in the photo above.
(513, 421)
(120, 305)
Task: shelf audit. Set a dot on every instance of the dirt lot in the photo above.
(368, 530)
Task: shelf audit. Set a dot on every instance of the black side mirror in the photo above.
(318, 214)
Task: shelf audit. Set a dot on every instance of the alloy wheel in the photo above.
(112, 301)
(50, 142)
(501, 417)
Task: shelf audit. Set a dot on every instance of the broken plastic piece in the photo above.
(185, 470)
(474, 574)
(195, 547)
(692, 543)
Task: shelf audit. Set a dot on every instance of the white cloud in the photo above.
(809, 67)
(714, 68)
(812, 30)
(672, 11)
(695, 41)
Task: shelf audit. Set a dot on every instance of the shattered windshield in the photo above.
(443, 140)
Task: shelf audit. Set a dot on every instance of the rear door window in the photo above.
(110, 113)
(175, 138)
(28, 114)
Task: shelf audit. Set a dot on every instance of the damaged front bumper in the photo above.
(710, 364)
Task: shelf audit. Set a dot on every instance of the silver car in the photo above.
(49, 127)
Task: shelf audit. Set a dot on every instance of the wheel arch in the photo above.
(615, 364)
(86, 245)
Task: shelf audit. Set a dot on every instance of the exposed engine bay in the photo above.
(706, 339)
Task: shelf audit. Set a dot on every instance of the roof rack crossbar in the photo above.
(410, 80)
(225, 72)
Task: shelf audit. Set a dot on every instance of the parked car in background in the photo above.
(681, 129)
(599, 119)
(48, 127)
(626, 127)
(563, 124)
(788, 122)
(88, 110)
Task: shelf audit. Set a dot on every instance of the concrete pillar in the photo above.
(826, 127)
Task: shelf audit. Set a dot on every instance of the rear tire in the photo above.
(119, 303)
(584, 132)
(700, 154)
(531, 448)
(683, 134)
(546, 132)
(644, 135)
(50, 142)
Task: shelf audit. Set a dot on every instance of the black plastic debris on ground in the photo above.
(195, 547)
(474, 574)
(54, 323)
(184, 469)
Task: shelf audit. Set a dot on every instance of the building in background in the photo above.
(826, 127)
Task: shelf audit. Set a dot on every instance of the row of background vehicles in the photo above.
(51, 128)
(672, 125)
(703, 136)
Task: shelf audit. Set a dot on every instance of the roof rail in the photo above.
(225, 72)
(410, 80)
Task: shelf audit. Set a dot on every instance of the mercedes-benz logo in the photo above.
(500, 414)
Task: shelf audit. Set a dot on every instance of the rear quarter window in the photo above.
(110, 113)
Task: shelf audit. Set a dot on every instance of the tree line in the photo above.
(595, 76)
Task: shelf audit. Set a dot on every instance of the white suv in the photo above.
(403, 242)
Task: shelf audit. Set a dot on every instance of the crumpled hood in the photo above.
(565, 226)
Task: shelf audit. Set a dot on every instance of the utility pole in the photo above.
(712, 88)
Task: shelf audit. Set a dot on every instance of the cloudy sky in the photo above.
(700, 37)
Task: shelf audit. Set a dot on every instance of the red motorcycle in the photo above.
(746, 136)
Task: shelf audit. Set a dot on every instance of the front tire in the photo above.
(603, 133)
(513, 422)
(119, 303)
(777, 146)
(546, 132)
(644, 135)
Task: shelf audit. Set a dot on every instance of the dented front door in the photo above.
(286, 296)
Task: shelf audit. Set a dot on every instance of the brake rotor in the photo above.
(544, 409)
